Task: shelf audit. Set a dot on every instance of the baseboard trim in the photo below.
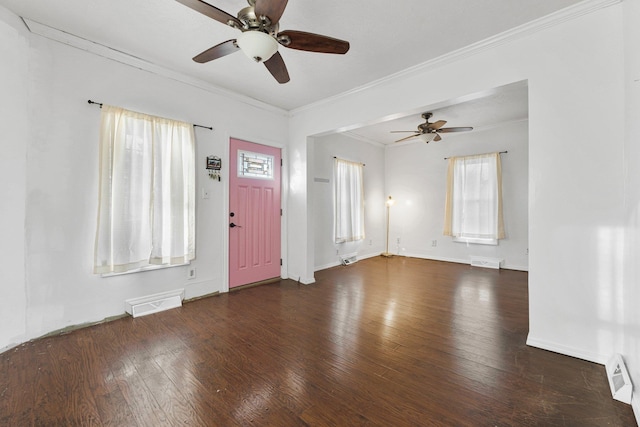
(515, 267)
(307, 281)
(435, 258)
(72, 328)
(462, 261)
(9, 347)
(421, 256)
(65, 330)
(337, 263)
(566, 350)
(325, 266)
(635, 405)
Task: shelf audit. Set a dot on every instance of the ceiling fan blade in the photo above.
(218, 51)
(277, 68)
(211, 11)
(273, 9)
(311, 42)
(402, 131)
(458, 129)
(436, 125)
(408, 137)
(437, 138)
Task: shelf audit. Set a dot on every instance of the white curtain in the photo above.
(146, 212)
(473, 206)
(348, 201)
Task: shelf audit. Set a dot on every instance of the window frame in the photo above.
(146, 200)
(353, 194)
(457, 205)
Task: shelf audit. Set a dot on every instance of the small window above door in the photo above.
(255, 165)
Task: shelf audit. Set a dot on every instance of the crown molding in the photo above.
(139, 63)
(556, 18)
(567, 14)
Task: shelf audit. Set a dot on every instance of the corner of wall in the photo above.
(14, 44)
(635, 405)
(13, 21)
(564, 350)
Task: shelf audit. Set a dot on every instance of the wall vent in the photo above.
(619, 380)
(478, 261)
(349, 259)
(154, 303)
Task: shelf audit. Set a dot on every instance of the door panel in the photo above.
(254, 213)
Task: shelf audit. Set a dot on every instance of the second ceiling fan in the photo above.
(428, 131)
(261, 36)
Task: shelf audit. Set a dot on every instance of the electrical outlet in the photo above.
(370, 242)
(434, 243)
(205, 193)
(191, 273)
(398, 240)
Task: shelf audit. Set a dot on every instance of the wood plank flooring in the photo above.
(383, 342)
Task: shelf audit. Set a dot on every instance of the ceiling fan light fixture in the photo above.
(257, 45)
(427, 137)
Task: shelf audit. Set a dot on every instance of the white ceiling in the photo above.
(386, 37)
(481, 111)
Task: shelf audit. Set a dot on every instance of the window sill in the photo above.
(476, 241)
(143, 269)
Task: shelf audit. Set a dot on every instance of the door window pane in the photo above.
(255, 165)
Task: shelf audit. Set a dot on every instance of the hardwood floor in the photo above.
(383, 342)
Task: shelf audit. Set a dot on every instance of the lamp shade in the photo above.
(257, 45)
(427, 137)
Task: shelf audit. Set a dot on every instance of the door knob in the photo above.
(234, 225)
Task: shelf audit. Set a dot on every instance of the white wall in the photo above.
(629, 293)
(54, 211)
(574, 68)
(13, 111)
(416, 177)
(325, 148)
(579, 210)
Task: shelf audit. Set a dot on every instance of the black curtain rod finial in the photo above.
(96, 103)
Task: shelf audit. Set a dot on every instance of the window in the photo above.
(473, 207)
(349, 201)
(146, 213)
(255, 165)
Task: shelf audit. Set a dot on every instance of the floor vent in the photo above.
(619, 380)
(478, 261)
(348, 259)
(154, 303)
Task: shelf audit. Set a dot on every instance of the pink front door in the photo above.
(254, 213)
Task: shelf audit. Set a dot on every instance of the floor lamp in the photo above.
(389, 203)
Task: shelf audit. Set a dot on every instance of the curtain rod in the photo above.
(499, 152)
(350, 161)
(200, 126)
